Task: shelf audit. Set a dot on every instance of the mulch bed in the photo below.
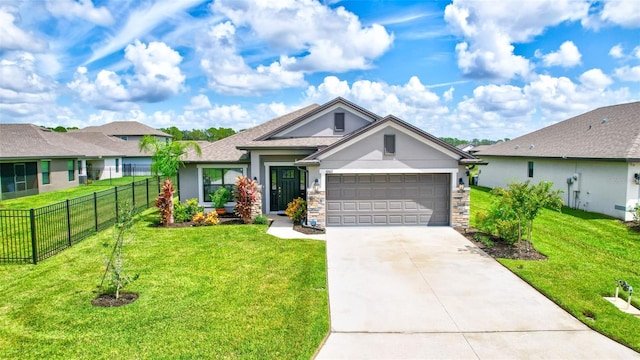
(307, 230)
(225, 219)
(109, 300)
(501, 249)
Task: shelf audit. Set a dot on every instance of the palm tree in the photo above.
(166, 161)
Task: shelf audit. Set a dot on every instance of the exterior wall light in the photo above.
(316, 185)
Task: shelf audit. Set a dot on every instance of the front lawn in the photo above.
(587, 253)
(227, 291)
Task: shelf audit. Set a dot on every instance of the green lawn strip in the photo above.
(228, 291)
(36, 201)
(587, 252)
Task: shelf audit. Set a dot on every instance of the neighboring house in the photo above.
(135, 162)
(352, 166)
(465, 147)
(594, 158)
(35, 160)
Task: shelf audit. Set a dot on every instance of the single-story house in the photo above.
(352, 166)
(134, 162)
(594, 158)
(34, 160)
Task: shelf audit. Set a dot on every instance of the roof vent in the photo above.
(531, 146)
(517, 146)
(589, 127)
(604, 120)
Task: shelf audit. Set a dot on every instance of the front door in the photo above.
(287, 183)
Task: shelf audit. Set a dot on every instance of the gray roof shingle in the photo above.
(610, 132)
(225, 150)
(123, 128)
(31, 141)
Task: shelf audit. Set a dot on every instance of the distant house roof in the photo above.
(124, 128)
(610, 132)
(122, 147)
(22, 141)
(465, 147)
(225, 150)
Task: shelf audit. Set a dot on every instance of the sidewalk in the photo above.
(282, 227)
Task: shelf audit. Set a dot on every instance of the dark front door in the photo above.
(287, 183)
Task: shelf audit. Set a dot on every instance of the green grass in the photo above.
(228, 291)
(35, 201)
(587, 252)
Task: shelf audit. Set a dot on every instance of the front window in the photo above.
(530, 169)
(71, 170)
(45, 172)
(215, 178)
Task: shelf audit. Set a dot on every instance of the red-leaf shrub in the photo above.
(296, 210)
(246, 194)
(164, 202)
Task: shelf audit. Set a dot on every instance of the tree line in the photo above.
(474, 142)
(210, 134)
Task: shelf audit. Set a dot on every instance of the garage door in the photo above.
(388, 199)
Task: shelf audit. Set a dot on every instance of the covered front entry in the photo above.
(388, 199)
(287, 183)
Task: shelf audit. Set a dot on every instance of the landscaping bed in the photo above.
(499, 248)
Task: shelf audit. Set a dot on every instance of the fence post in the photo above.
(117, 215)
(148, 193)
(34, 242)
(69, 222)
(95, 209)
(133, 195)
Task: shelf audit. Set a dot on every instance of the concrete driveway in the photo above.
(421, 292)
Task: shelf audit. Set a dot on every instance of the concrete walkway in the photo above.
(428, 293)
(282, 227)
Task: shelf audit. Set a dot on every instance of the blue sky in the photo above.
(466, 69)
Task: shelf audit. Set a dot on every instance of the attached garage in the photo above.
(388, 199)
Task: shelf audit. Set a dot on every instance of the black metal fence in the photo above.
(28, 236)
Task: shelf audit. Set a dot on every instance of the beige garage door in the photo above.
(388, 199)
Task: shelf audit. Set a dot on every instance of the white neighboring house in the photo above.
(134, 162)
(594, 158)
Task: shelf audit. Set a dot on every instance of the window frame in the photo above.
(71, 170)
(45, 180)
(201, 172)
(389, 144)
(338, 118)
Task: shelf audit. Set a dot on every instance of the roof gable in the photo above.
(399, 125)
(610, 132)
(303, 125)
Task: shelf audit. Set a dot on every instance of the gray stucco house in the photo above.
(594, 158)
(352, 166)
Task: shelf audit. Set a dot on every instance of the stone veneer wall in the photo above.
(256, 209)
(460, 208)
(316, 207)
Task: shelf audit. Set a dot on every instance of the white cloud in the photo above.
(616, 51)
(83, 9)
(595, 79)
(331, 39)
(156, 77)
(488, 32)
(227, 71)
(140, 22)
(622, 12)
(567, 56)
(14, 38)
(628, 73)
(198, 102)
(636, 52)
(22, 91)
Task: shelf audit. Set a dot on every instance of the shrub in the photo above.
(200, 219)
(164, 202)
(220, 197)
(246, 194)
(635, 211)
(261, 220)
(185, 212)
(296, 210)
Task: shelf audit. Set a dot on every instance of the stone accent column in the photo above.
(316, 207)
(256, 209)
(460, 208)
